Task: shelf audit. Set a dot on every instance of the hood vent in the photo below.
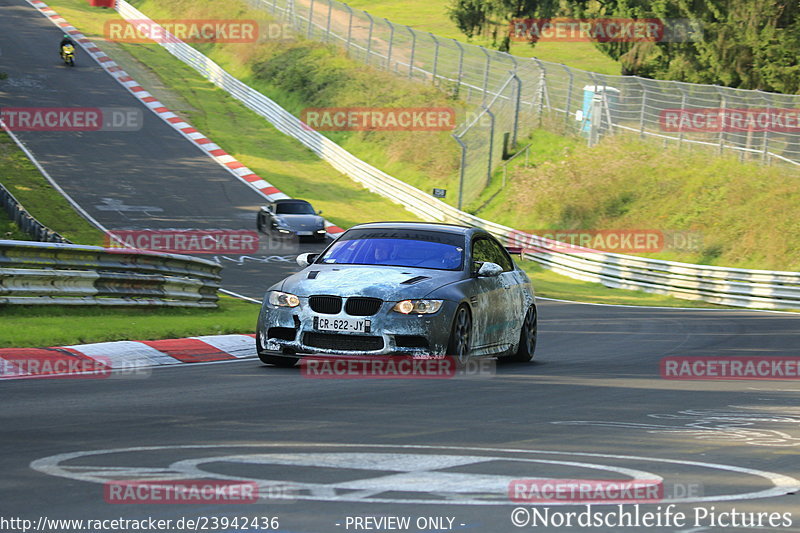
(414, 280)
(313, 274)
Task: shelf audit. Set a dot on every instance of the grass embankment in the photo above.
(32, 326)
(431, 16)
(745, 214)
(38, 197)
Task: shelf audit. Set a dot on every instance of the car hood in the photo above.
(300, 222)
(386, 283)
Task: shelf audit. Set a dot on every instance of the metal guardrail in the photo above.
(27, 223)
(726, 286)
(34, 273)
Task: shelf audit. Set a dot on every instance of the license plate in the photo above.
(350, 325)
(305, 233)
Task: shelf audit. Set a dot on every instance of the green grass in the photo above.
(744, 213)
(38, 197)
(29, 326)
(431, 16)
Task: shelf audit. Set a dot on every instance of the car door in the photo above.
(509, 300)
(488, 296)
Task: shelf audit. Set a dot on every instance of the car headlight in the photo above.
(422, 307)
(283, 299)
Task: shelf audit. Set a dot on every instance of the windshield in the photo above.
(294, 208)
(394, 252)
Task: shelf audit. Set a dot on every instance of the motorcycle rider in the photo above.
(64, 42)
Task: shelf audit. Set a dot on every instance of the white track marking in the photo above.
(781, 484)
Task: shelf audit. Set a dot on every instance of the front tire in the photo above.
(460, 335)
(527, 338)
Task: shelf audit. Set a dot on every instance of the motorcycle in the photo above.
(68, 54)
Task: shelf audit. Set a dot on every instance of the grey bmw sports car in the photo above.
(401, 288)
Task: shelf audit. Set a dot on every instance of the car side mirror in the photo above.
(488, 270)
(305, 259)
(319, 212)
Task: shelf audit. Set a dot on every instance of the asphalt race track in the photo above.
(441, 452)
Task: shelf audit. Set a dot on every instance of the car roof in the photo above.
(430, 226)
(290, 201)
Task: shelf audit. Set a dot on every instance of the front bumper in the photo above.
(290, 331)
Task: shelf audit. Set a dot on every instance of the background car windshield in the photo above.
(294, 208)
(395, 252)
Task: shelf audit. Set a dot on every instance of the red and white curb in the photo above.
(230, 163)
(107, 357)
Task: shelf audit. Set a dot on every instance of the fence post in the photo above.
(463, 168)
(310, 18)
(369, 38)
(413, 51)
(596, 119)
(460, 65)
(435, 56)
(683, 110)
(491, 147)
(765, 142)
(517, 99)
(723, 114)
(541, 90)
(328, 23)
(644, 105)
(349, 28)
(486, 73)
(391, 44)
(569, 95)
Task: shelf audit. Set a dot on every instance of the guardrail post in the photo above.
(310, 19)
(369, 38)
(413, 51)
(463, 168)
(391, 44)
(435, 56)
